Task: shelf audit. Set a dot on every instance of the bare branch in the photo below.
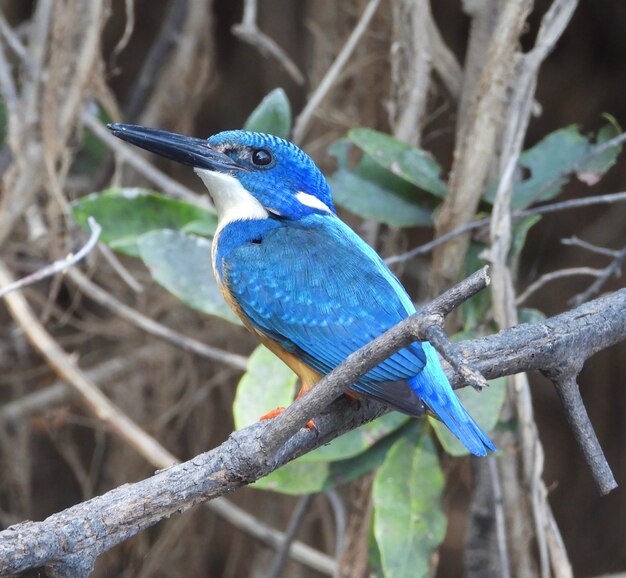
(614, 268)
(168, 34)
(516, 215)
(60, 265)
(553, 275)
(107, 412)
(576, 242)
(295, 523)
(304, 119)
(249, 32)
(576, 414)
(152, 327)
(98, 524)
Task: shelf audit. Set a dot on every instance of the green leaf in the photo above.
(552, 161)
(267, 384)
(549, 163)
(407, 162)
(373, 555)
(409, 523)
(125, 214)
(273, 115)
(358, 440)
(594, 169)
(92, 150)
(372, 192)
(182, 264)
(475, 310)
(520, 232)
(483, 406)
(300, 477)
(530, 315)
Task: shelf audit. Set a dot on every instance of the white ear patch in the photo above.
(313, 202)
(232, 201)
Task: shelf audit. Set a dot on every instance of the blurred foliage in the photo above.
(272, 116)
(409, 522)
(553, 160)
(399, 185)
(371, 191)
(182, 264)
(126, 214)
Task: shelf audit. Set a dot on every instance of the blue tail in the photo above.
(434, 389)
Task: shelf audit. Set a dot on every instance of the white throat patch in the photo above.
(232, 201)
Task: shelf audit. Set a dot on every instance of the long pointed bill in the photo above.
(187, 150)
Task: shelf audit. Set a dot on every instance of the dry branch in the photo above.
(81, 533)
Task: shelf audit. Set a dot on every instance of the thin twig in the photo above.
(272, 538)
(330, 78)
(129, 27)
(97, 403)
(614, 268)
(341, 519)
(152, 327)
(123, 273)
(498, 504)
(295, 523)
(576, 242)
(548, 277)
(168, 34)
(11, 38)
(59, 265)
(516, 215)
(59, 392)
(438, 338)
(249, 32)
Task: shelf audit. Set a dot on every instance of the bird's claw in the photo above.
(277, 411)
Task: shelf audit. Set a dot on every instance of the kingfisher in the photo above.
(299, 278)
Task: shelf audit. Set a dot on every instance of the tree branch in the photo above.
(84, 531)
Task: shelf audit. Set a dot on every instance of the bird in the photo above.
(301, 279)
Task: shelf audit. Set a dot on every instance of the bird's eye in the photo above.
(261, 157)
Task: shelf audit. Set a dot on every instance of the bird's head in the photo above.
(248, 174)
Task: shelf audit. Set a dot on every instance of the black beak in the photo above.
(194, 152)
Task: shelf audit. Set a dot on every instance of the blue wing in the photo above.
(320, 291)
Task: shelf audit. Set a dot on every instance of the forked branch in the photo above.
(71, 540)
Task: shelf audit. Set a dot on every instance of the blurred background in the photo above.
(179, 66)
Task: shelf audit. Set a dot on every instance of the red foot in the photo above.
(272, 414)
(276, 412)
